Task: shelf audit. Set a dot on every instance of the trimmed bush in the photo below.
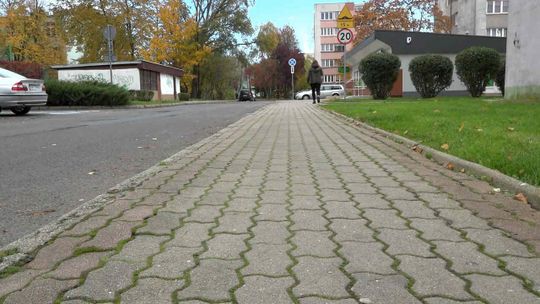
(476, 66)
(85, 93)
(431, 74)
(379, 72)
(500, 79)
(142, 95)
(183, 96)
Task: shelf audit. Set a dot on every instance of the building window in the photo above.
(497, 6)
(149, 80)
(328, 63)
(497, 32)
(339, 48)
(329, 15)
(329, 31)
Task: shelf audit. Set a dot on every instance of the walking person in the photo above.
(315, 77)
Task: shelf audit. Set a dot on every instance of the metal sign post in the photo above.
(345, 36)
(292, 63)
(109, 33)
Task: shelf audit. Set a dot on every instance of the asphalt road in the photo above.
(53, 161)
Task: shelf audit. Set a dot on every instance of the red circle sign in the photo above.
(345, 36)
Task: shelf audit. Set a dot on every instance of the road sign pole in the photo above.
(292, 81)
(344, 73)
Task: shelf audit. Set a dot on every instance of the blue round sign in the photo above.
(292, 62)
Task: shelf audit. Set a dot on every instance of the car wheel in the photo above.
(22, 110)
(305, 97)
(335, 94)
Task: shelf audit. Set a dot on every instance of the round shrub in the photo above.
(379, 72)
(431, 74)
(475, 66)
(499, 80)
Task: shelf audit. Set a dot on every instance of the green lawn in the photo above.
(497, 134)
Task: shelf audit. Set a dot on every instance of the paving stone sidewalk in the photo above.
(293, 205)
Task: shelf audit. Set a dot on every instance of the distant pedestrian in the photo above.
(315, 77)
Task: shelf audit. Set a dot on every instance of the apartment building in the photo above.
(328, 51)
(477, 17)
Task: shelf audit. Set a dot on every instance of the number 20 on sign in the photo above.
(345, 36)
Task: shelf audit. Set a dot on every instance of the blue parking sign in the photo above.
(292, 62)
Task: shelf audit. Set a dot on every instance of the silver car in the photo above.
(327, 90)
(19, 94)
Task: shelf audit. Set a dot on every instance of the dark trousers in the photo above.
(315, 87)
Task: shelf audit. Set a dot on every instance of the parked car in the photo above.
(19, 94)
(246, 95)
(327, 90)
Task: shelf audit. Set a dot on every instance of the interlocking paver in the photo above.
(383, 289)
(171, 263)
(51, 254)
(211, 281)
(294, 202)
(501, 290)
(103, 284)
(404, 242)
(467, 258)
(367, 257)
(191, 235)
(110, 236)
(75, 267)
(162, 223)
(151, 290)
(267, 259)
(320, 277)
(226, 246)
(40, 291)
(261, 290)
(316, 243)
(432, 278)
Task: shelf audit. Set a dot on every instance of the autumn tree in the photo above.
(175, 41)
(267, 39)
(405, 15)
(30, 33)
(85, 20)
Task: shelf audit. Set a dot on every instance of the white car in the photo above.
(19, 94)
(327, 90)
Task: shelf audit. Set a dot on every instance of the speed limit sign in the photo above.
(345, 36)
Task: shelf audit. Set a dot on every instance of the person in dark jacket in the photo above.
(315, 77)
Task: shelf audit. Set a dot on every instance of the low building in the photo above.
(133, 75)
(408, 45)
(522, 65)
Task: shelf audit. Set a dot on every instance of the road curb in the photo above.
(25, 246)
(494, 177)
(150, 106)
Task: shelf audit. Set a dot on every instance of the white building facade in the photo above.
(478, 17)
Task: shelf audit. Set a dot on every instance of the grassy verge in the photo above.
(494, 133)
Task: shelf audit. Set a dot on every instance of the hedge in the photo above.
(476, 66)
(183, 96)
(85, 93)
(431, 74)
(379, 72)
(142, 95)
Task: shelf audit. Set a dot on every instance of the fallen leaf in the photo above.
(445, 147)
(406, 131)
(154, 139)
(462, 170)
(374, 112)
(480, 130)
(417, 149)
(450, 166)
(437, 111)
(461, 127)
(511, 129)
(521, 197)
(91, 172)
(497, 190)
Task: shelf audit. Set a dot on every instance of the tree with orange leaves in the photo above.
(402, 15)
